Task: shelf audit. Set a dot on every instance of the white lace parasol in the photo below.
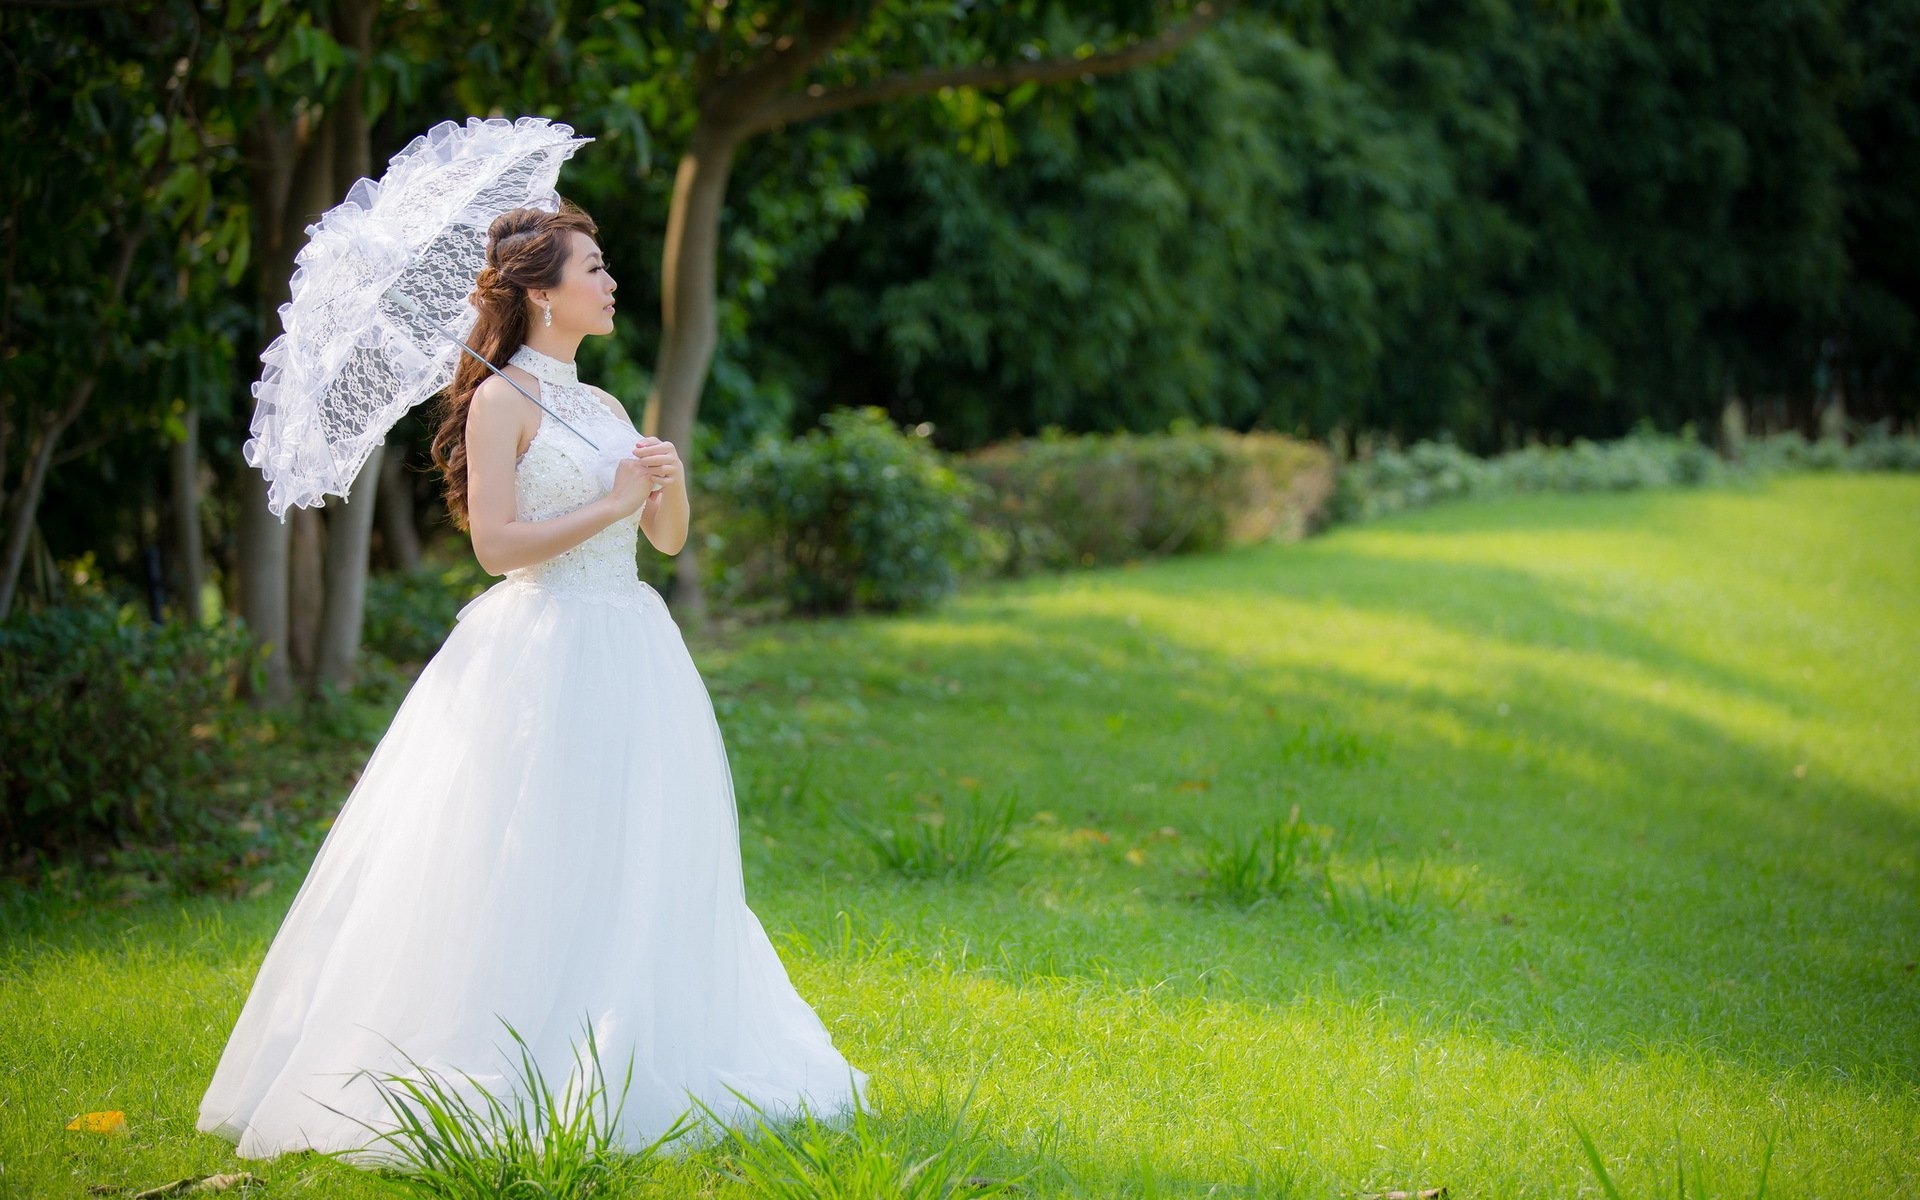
(379, 310)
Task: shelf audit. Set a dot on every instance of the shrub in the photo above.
(1429, 471)
(856, 515)
(110, 725)
(409, 613)
(1069, 500)
(1879, 449)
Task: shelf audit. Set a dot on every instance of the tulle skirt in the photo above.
(546, 836)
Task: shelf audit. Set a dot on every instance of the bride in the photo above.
(546, 836)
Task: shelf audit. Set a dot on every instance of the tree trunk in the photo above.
(306, 584)
(189, 571)
(26, 498)
(688, 325)
(262, 545)
(349, 530)
(394, 511)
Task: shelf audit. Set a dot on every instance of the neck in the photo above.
(553, 343)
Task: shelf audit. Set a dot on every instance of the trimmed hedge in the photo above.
(1430, 471)
(1060, 501)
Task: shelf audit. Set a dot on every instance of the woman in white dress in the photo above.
(546, 835)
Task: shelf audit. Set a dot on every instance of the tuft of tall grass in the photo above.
(533, 1143)
(1679, 1168)
(805, 1158)
(961, 841)
(1248, 869)
(1385, 905)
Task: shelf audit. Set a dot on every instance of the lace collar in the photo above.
(545, 368)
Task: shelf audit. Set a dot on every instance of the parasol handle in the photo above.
(412, 306)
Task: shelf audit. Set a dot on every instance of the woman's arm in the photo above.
(665, 517)
(496, 419)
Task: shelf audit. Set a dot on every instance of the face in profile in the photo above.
(583, 299)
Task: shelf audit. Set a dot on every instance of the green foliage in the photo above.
(856, 515)
(805, 1158)
(1486, 218)
(110, 725)
(1124, 267)
(457, 1140)
(1064, 500)
(409, 613)
(960, 841)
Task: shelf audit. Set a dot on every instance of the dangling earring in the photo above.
(549, 319)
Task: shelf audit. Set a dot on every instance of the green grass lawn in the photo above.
(1652, 758)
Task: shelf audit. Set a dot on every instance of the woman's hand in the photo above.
(661, 460)
(632, 484)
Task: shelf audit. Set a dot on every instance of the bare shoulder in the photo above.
(607, 398)
(497, 405)
(498, 400)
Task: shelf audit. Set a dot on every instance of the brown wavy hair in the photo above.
(526, 248)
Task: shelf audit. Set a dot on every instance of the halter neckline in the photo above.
(544, 367)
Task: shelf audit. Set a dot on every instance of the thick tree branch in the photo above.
(818, 101)
(736, 98)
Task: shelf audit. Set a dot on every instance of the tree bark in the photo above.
(189, 570)
(394, 511)
(262, 544)
(306, 555)
(349, 533)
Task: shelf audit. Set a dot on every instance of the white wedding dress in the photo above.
(546, 835)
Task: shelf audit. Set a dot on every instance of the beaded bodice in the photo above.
(559, 472)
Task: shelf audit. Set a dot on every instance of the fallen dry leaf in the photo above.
(100, 1122)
